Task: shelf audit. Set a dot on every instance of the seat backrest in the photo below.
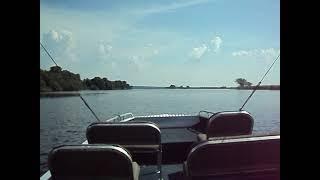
(235, 156)
(90, 162)
(126, 133)
(232, 123)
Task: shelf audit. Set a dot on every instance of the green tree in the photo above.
(55, 69)
(86, 83)
(57, 80)
(242, 82)
(55, 86)
(99, 83)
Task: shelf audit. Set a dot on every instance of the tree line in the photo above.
(57, 79)
(242, 84)
(177, 87)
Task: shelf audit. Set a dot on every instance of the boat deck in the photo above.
(169, 172)
(175, 129)
(178, 136)
(175, 172)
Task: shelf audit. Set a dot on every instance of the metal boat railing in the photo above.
(163, 115)
(206, 114)
(121, 118)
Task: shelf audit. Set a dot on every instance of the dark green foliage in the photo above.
(98, 82)
(56, 69)
(172, 86)
(104, 84)
(243, 82)
(178, 87)
(270, 87)
(58, 80)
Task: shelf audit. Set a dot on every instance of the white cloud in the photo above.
(60, 44)
(136, 63)
(134, 58)
(105, 49)
(241, 53)
(258, 53)
(155, 51)
(170, 7)
(216, 42)
(197, 52)
(146, 52)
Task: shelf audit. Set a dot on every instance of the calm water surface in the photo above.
(64, 120)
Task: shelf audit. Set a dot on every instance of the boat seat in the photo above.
(227, 123)
(235, 157)
(137, 137)
(87, 162)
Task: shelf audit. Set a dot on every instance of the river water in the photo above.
(63, 120)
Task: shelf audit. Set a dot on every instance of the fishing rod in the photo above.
(78, 93)
(256, 87)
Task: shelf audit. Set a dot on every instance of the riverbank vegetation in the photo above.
(261, 87)
(242, 84)
(57, 79)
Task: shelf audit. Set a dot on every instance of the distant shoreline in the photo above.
(95, 92)
(265, 87)
(75, 93)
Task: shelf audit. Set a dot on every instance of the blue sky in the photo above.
(158, 43)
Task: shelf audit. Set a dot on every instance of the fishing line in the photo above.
(79, 93)
(48, 54)
(256, 87)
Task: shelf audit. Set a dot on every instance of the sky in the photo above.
(159, 43)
